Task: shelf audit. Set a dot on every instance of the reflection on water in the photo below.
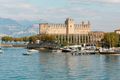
(57, 66)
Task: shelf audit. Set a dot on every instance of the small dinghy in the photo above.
(27, 53)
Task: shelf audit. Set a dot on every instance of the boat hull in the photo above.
(109, 53)
(66, 50)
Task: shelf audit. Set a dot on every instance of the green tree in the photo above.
(7, 38)
(46, 37)
(25, 39)
(32, 39)
(17, 39)
(112, 39)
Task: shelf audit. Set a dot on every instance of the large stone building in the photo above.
(68, 28)
(69, 32)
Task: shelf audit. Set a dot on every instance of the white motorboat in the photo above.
(1, 51)
(71, 48)
(109, 51)
(32, 50)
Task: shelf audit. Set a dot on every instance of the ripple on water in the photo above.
(49, 66)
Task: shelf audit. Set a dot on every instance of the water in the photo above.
(51, 66)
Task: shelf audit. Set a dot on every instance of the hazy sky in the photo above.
(104, 15)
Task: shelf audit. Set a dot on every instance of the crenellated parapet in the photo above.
(68, 28)
(57, 26)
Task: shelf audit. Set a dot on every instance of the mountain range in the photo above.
(19, 28)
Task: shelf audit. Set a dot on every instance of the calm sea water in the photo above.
(57, 66)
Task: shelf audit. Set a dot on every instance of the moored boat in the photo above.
(109, 51)
(73, 48)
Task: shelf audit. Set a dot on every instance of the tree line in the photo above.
(30, 39)
(110, 39)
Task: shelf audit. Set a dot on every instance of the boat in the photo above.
(66, 50)
(73, 48)
(87, 50)
(108, 51)
(1, 51)
(27, 53)
(32, 50)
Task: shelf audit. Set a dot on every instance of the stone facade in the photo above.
(96, 36)
(71, 33)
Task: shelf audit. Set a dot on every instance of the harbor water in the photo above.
(57, 66)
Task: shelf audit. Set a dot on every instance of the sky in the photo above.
(104, 15)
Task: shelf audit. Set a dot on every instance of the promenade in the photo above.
(12, 45)
(6, 45)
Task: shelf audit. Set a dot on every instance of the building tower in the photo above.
(69, 26)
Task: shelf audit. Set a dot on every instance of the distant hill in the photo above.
(7, 21)
(19, 28)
